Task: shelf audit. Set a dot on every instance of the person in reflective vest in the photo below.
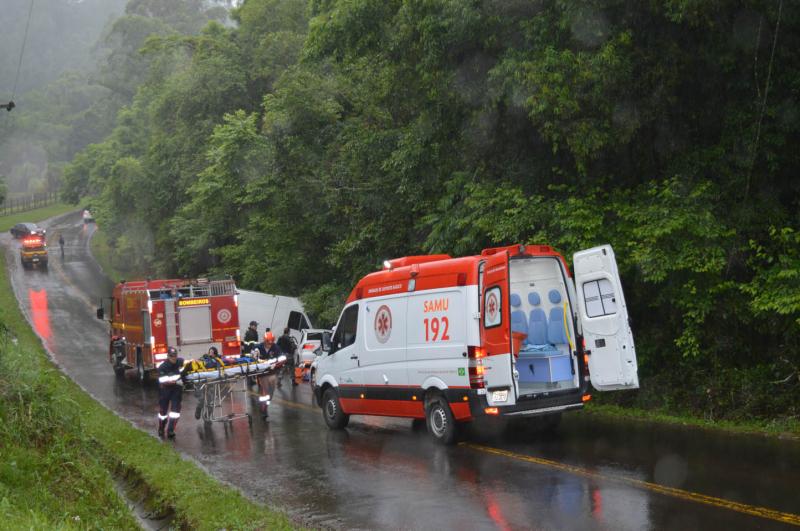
(266, 382)
(170, 393)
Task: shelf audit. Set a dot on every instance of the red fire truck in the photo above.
(149, 316)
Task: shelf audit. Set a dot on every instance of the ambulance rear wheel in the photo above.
(440, 420)
(335, 418)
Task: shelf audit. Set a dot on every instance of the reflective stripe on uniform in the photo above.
(162, 417)
(264, 398)
(174, 415)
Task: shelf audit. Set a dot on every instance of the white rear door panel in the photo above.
(604, 319)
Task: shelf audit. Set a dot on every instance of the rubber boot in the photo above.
(173, 423)
(162, 423)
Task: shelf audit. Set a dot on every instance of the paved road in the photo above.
(382, 474)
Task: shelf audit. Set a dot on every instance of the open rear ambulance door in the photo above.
(604, 319)
(496, 331)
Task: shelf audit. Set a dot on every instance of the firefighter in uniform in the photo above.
(170, 393)
(266, 382)
(251, 334)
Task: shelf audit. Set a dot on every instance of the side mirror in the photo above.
(100, 313)
(326, 342)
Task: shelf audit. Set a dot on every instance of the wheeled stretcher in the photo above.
(213, 387)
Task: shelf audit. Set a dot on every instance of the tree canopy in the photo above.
(301, 145)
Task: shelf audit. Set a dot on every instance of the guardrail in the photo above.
(29, 202)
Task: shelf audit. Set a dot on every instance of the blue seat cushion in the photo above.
(555, 327)
(537, 328)
(518, 322)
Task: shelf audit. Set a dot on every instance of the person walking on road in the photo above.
(170, 393)
(289, 347)
(61, 244)
(266, 382)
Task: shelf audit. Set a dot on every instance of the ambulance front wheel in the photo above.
(440, 420)
(335, 418)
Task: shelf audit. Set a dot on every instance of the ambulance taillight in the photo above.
(476, 368)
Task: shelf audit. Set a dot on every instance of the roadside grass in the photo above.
(61, 450)
(33, 216)
(779, 428)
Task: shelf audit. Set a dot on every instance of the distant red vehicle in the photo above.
(149, 316)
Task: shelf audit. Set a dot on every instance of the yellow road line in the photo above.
(752, 510)
(296, 405)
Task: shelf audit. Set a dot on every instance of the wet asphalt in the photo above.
(383, 473)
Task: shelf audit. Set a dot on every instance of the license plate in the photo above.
(35, 259)
(499, 396)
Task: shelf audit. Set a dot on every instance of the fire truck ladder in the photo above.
(172, 323)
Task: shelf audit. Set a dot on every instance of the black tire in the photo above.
(141, 374)
(440, 421)
(332, 412)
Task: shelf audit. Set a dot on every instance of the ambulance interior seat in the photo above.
(544, 363)
(556, 334)
(537, 323)
(518, 321)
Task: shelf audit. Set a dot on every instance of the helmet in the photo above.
(268, 336)
(172, 351)
(253, 323)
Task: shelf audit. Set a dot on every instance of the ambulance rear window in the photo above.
(599, 298)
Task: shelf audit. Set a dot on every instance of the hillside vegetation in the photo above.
(305, 142)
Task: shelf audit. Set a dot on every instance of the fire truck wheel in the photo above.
(440, 420)
(335, 418)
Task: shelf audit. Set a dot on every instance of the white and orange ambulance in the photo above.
(507, 333)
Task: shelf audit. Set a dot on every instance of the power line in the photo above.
(10, 105)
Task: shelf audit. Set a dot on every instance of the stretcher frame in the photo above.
(215, 391)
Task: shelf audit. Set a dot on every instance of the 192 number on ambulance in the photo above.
(434, 326)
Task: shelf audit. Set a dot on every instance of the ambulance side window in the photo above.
(346, 330)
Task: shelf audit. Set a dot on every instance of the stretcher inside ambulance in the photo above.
(506, 333)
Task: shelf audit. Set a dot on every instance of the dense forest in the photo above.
(296, 144)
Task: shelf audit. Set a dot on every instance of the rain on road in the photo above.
(381, 473)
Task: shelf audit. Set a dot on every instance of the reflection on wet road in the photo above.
(382, 473)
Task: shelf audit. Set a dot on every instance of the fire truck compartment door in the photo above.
(495, 331)
(195, 324)
(604, 318)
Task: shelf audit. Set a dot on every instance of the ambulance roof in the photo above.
(436, 271)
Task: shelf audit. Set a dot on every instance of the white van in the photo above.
(272, 311)
(504, 333)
